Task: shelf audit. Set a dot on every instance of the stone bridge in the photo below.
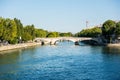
(52, 41)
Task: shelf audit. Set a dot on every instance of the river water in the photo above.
(65, 61)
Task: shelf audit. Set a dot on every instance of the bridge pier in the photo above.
(77, 43)
(52, 43)
(42, 43)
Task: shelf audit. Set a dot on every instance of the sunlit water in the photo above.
(61, 62)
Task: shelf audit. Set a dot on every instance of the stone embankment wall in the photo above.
(16, 46)
(114, 45)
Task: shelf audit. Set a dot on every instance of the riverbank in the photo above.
(16, 46)
(114, 45)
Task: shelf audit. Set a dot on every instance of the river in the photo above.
(65, 61)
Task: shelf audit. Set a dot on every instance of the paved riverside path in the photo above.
(16, 46)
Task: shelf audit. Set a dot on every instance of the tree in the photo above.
(117, 30)
(92, 32)
(69, 34)
(56, 34)
(19, 28)
(108, 29)
(52, 34)
(40, 33)
(1, 26)
(9, 30)
(26, 37)
(30, 30)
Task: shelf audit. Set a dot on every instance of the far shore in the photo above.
(26, 45)
(17, 46)
(114, 45)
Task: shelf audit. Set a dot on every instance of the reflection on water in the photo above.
(65, 61)
(112, 50)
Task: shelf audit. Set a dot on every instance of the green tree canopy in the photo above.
(26, 37)
(19, 28)
(53, 34)
(10, 30)
(108, 29)
(91, 32)
(29, 29)
(117, 30)
(40, 33)
(1, 26)
(69, 34)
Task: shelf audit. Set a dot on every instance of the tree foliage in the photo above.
(69, 34)
(12, 30)
(108, 30)
(92, 32)
(117, 30)
(19, 28)
(29, 29)
(26, 37)
(53, 34)
(1, 26)
(9, 30)
(40, 33)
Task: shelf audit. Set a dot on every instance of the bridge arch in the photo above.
(91, 42)
(76, 42)
(53, 41)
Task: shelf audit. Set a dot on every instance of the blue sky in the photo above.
(61, 15)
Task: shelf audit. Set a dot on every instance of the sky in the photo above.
(61, 15)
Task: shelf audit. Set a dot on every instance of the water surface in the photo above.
(61, 62)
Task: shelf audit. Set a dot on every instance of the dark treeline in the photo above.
(91, 32)
(12, 31)
(109, 32)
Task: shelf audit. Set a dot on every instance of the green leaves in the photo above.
(19, 27)
(12, 30)
(58, 34)
(1, 26)
(92, 32)
(69, 34)
(40, 33)
(117, 30)
(9, 30)
(108, 27)
(26, 37)
(29, 33)
(53, 34)
(108, 30)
